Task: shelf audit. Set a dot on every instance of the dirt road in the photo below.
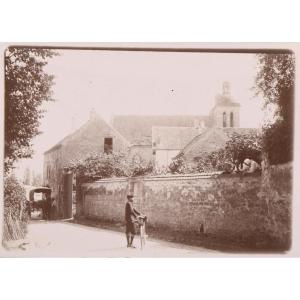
(63, 239)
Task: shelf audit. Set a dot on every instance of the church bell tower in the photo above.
(226, 112)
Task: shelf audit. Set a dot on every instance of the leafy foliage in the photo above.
(104, 165)
(27, 86)
(242, 146)
(179, 165)
(15, 217)
(237, 149)
(275, 81)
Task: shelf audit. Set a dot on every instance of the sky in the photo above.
(140, 83)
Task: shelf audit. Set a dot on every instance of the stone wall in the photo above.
(105, 199)
(180, 203)
(227, 207)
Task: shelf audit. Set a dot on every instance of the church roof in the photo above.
(139, 128)
(173, 138)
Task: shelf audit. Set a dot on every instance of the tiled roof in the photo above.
(85, 128)
(135, 127)
(142, 141)
(218, 135)
(173, 137)
(230, 130)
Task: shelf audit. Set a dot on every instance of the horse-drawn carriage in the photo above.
(44, 204)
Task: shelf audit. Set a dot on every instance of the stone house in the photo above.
(94, 136)
(158, 138)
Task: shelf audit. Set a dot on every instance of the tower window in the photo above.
(108, 145)
(224, 119)
(231, 119)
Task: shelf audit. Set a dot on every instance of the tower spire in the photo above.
(226, 88)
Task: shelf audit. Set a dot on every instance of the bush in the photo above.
(102, 165)
(15, 216)
(180, 166)
(237, 148)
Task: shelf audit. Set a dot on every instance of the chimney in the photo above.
(93, 114)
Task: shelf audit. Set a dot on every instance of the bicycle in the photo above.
(142, 227)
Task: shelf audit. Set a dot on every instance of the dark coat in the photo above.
(130, 212)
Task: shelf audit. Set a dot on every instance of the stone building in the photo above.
(94, 136)
(154, 138)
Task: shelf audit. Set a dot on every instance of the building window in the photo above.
(108, 145)
(224, 119)
(231, 119)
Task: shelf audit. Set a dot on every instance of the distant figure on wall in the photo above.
(249, 166)
(131, 215)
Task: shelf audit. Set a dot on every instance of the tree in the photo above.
(275, 81)
(27, 86)
(241, 146)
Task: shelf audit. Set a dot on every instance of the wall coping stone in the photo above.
(158, 177)
(175, 177)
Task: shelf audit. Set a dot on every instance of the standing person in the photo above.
(53, 208)
(131, 215)
(48, 206)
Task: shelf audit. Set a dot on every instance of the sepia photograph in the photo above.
(135, 151)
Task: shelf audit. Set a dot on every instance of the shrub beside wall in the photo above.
(15, 217)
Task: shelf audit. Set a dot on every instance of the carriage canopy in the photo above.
(44, 190)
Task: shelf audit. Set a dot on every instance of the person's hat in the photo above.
(129, 196)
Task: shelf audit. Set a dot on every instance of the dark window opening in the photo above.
(231, 119)
(108, 145)
(224, 119)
